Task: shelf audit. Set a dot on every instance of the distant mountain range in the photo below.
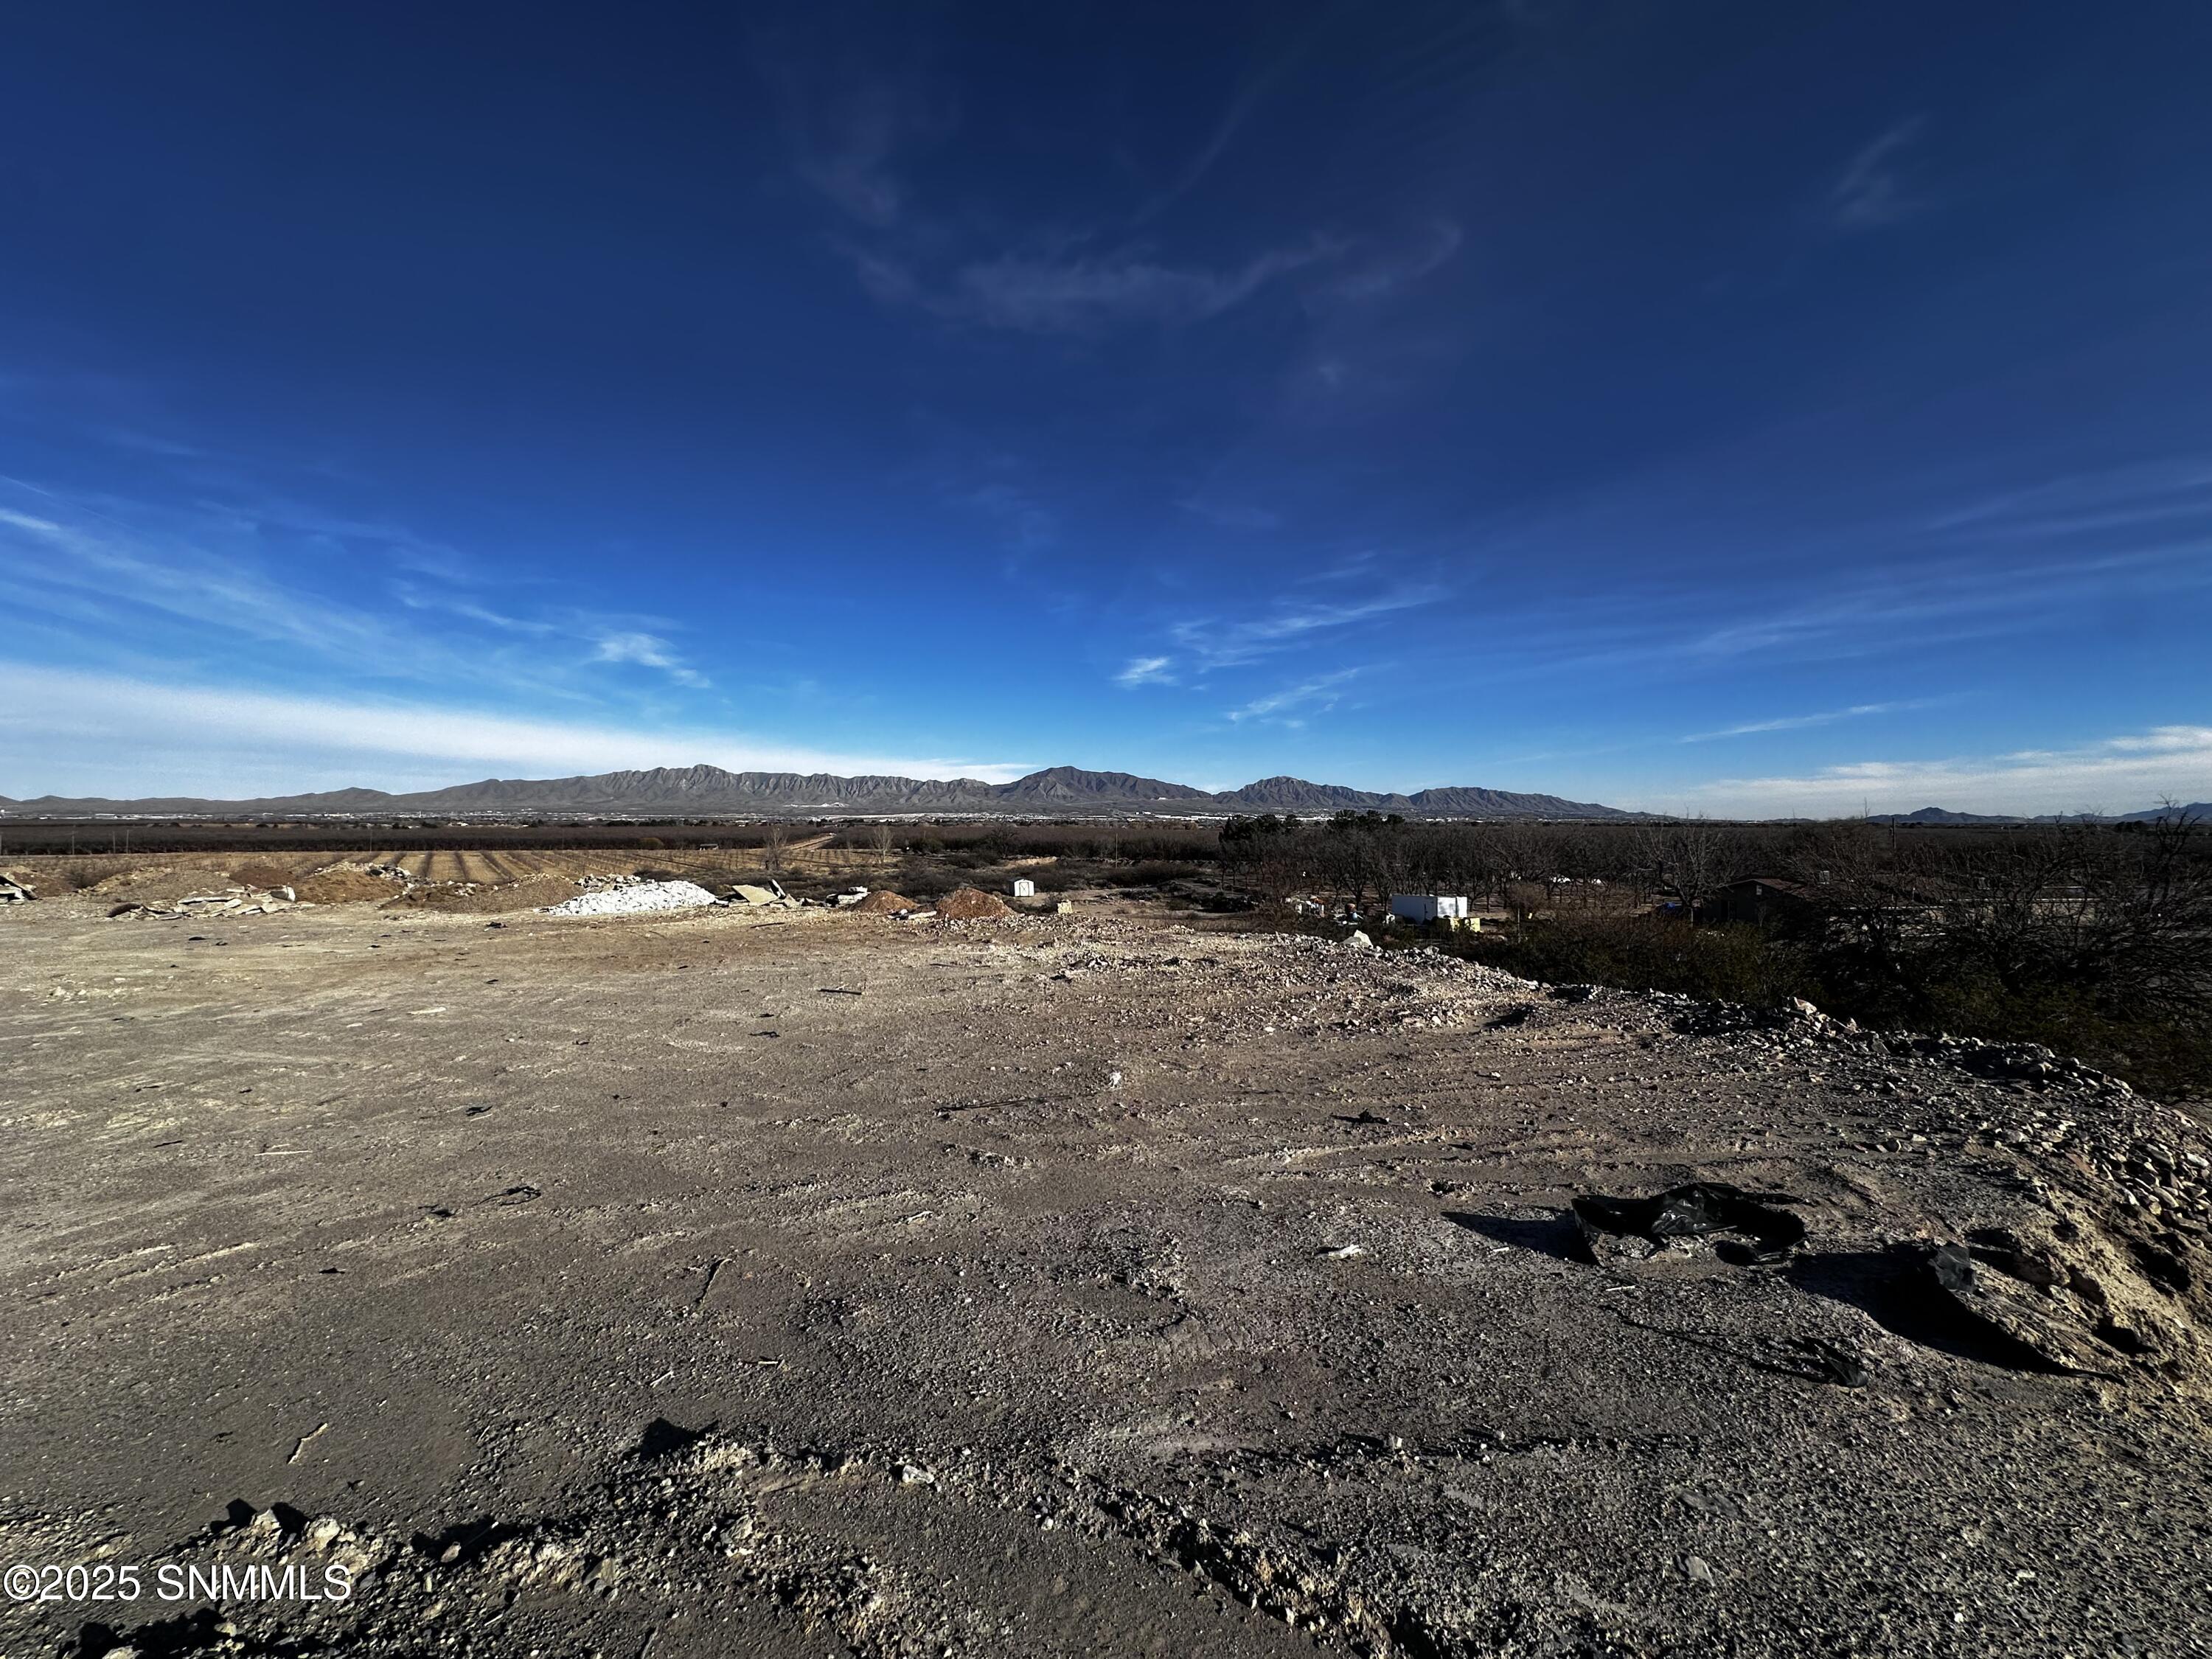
(2201, 809)
(709, 792)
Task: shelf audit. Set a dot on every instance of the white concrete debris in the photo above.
(234, 901)
(636, 897)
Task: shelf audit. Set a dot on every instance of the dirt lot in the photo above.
(820, 1283)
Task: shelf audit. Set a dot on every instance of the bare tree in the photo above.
(775, 838)
(1695, 859)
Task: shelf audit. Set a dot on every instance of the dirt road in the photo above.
(822, 1285)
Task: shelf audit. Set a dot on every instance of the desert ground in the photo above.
(816, 1284)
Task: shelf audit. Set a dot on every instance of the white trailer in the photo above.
(1428, 907)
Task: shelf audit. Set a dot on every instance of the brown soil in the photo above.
(530, 893)
(164, 882)
(883, 903)
(260, 873)
(970, 904)
(344, 884)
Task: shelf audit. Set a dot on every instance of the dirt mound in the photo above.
(344, 884)
(162, 882)
(261, 874)
(883, 903)
(970, 904)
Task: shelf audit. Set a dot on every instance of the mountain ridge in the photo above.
(1944, 815)
(702, 791)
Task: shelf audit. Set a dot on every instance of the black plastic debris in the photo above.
(1831, 1362)
(1694, 1211)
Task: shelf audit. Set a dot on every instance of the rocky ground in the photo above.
(821, 1284)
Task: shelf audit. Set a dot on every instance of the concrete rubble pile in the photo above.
(630, 897)
(746, 896)
(600, 883)
(13, 892)
(232, 901)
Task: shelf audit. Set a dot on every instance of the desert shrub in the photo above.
(1158, 872)
(1648, 953)
(1220, 902)
(1065, 877)
(1933, 985)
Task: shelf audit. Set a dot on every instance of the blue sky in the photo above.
(1736, 407)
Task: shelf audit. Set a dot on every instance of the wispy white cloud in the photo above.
(1145, 670)
(1216, 644)
(1240, 110)
(647, 651)
(2159, 740)
(221, 574)
(1798, 722)
(414, 599)
(1077, 295)
(114, 735)
(853, 141)
(1062, 293)
(105, 575)
(1886, 611)
(849, 138)
(1383, 270)
(1318, 694)
(2155, 493)
(1353, 567)
(2122, 774)
(1871, 192)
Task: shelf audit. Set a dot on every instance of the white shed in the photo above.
(1025, 888)
(1427, 906)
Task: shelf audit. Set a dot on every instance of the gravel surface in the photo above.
(810, 1282)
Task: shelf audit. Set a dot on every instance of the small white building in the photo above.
(1025, 888)
(1427, 906)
